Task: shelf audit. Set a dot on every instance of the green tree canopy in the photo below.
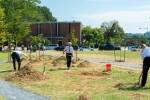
(92, 36)
(21, 13)
(46, 14)
(113, 32)
(2, 28)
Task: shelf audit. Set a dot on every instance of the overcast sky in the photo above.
(131, 14)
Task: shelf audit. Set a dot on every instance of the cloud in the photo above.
(129, 20)
(131, 16)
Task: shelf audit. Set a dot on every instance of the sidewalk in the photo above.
(11, 92)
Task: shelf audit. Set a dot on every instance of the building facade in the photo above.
(57, 32)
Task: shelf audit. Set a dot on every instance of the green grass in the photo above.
(3, 55)
(2, 98)
(69, 85)
(128, 54)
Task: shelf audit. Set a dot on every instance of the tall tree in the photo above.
(92, 36)
(112, 32)
(46, 14)
(87, 35)
(98, 37)
(2, 28)
(21, 13)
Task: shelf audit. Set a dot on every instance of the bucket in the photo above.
(108, 67)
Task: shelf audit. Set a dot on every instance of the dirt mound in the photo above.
(83, 97)
(26, 74)
(59, 61)
(60, 58)
(76, 60)
(126, 86)
(86, 64)
(119, 85)
(94, 73)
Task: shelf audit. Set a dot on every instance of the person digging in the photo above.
(146, 64)
(69, 54)
(17, 56)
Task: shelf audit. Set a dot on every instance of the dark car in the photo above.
(60, 48)
(109, 47)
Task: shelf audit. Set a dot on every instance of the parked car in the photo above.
(51, 46)
(85, 48)
(109, 47)
(60, 48)
(133, 48)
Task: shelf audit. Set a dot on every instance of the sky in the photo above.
(133, 15)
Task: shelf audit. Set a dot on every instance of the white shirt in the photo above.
(146, 52)
(69, 49)
(21, 54)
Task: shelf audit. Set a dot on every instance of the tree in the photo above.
(112, 32)
(46, 14)
(86, 35)
(98, 37)
(135, 39)
(2, 28)
(74, 41)
(92, 36)
(20, 14)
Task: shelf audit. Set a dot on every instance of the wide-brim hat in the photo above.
(143, 45)
(69, 43)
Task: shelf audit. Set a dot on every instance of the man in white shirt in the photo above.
(146, 63)
(69, 54)
(17, 55)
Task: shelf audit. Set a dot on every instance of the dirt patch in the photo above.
(26, 73)
(86, 64)
(59, 61)
(139, 96)
(94, 73)
(119, 85)
(83, 97)
(76, 60)
(126, 86)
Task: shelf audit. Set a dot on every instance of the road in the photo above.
(12, 92)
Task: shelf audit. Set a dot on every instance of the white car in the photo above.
(133, 48)
(51, 46)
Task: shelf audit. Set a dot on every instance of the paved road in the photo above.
(127, 64)
(11, 92)
(2, 62)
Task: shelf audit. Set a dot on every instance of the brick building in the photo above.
(57, 32)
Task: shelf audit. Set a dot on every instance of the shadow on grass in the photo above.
(5, 71)
(56, 69)
(131, 87)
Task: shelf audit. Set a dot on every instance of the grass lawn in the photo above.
(2, 98)
(3, 56)
(68, 85)
(128, 54)
(90, 81)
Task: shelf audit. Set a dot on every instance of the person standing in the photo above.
(146, 63)
(69, 54)
(17, 56)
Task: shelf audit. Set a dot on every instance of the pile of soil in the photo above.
(94, 73)
(124, 86)
(119, 85)
(86, 64)
(26, 73)
(59, 61)
(75, 60)
(83, 97)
